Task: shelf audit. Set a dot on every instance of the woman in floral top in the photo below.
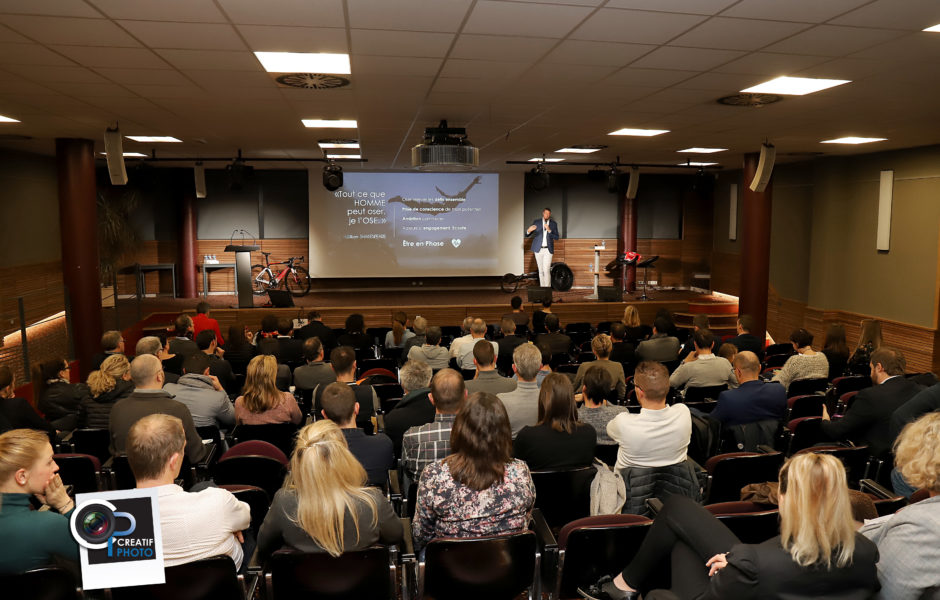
(478, 490)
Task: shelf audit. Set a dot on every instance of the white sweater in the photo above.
(652, 438)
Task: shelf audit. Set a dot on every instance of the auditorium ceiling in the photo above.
(525, 78)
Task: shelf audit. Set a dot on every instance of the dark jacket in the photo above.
(240, 356)
(183, 346)
(318, 329)
(539, 232)
(96, 412)
(222, 369)
(749, 342)
(543, 448)
(751, 402)
(538, 321)
(359, 341)
(623, 352)
(559, 343)
(20, 415)
(374, 453)
(868, 421)
(925, 401)
(413, 410)
(60, 403)
(289, 352)
(643, 483)
(659, 348)
(838, 361)
(141, 403)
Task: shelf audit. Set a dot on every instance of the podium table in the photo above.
(597, 270)
(243, 273)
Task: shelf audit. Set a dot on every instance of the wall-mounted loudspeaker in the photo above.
(199, 174)
(538, 294)
(634, 183)
(765, 168)
(114, 150)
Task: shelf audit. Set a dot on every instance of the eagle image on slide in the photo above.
(451, 201)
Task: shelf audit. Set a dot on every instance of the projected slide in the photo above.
(407, 224)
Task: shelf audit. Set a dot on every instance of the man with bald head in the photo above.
(754, 400)
(464, 353)
(149, 398)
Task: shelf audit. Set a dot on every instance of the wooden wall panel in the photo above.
(40, 285)
(726, 272)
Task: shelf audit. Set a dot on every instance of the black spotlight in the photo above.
(238, 173)
(613, 179)
(332, 176)
(538, 178)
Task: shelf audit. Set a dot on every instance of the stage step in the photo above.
(713, 308)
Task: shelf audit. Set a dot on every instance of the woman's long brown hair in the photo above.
(481, 442)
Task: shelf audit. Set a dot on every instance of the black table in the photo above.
(140, 272)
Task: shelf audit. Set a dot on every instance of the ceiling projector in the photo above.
(445, 149)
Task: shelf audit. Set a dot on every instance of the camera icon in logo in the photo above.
(94, 524)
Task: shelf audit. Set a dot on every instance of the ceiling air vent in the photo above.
(312, 81)
(749, 99)
(445, 149)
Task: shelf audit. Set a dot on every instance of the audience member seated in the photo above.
(59, 400)
(265, 338)
(431, 353)
(181, 341)
(203, 322)
(31, 538)
(261, 402)
(239, 351)
(868, 420)
(558, 343)
(203, 394)
(194, 525)
(558, 440)
(154, 346)
(289, 351)
(805, 364)
(110, 383)
(701, 368)
(728, 351)
(415, 408)
(669, 323)
(315, 372)
(699, 323)
(343, 361)
(538, 317)
(420, 328)
(112, 342)
(634, 330)
(909, 540)
(602, 346)
(464, 354)
(325, 505)
(510, 340)
(355, 335)
(487, 379)
(150, 398)
(455, 345)
(219, 368)
(316, 328)
(657, 436)
(925, 401)
(518, 316)
(754, 399)
(869, 340)
(427, 443)
(836, 350)
(399, 334)
(745, 340)
(596, 411)
(660, 347)
(17, 412)
(374, 452)
(621, 350)
(522, 404)
(818, 554)
(479, 490)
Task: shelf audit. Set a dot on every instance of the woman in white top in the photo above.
(805, 364)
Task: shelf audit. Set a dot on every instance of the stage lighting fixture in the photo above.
(238, 173)
(538, 177)
(332, 176)
(613, 179)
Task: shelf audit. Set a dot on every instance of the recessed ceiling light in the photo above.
(702, 150)
(698, 164)
(548, 160)
(794, 86)
(853, 140)
(152, 138)
(334, 123)
(335, 145)
(303, 62)
(127, 154)
(344, 156)
(576, 150)
(639, 132)
(7, 120)
(934, 29)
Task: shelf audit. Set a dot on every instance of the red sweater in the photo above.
(201, 321)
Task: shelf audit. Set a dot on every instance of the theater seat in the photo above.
(368, 574)
(46, 583)
(208, 579)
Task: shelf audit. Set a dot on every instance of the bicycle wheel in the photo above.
(261, 280)
(297, 282)
(509, 283)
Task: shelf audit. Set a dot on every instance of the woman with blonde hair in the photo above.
(110, 383)
(397, 337)
(869, 340)
(636, 331)
(261, 403)
(909, 540)
(31, 538)
(818, 553)
(324, 505)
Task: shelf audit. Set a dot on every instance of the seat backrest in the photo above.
(257, 500)
(597, 546)
(785, 349)
(205, 579)
(805, 405)
(210, 432)
(362, 574)
(496, 568)
(706, 437)
(850, 383)
(45, 583)
(279, 434)
(261, 471)
(750, 527)
(79, 470)
(563, 495)
(699, 394)
(256, 448)
(855, 459)
(802, 387)
(804, 432)
(96, 442)
(731, 472)
(775, 361)
(607, 453)
(748, 436)
(388, 390)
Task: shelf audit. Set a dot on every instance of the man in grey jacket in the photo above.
(202, 394)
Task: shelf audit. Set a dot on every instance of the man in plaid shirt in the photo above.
(425, 444)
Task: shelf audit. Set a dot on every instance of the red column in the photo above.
(755, 246)
(187, 241)
(78, 229)
(626, 241)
